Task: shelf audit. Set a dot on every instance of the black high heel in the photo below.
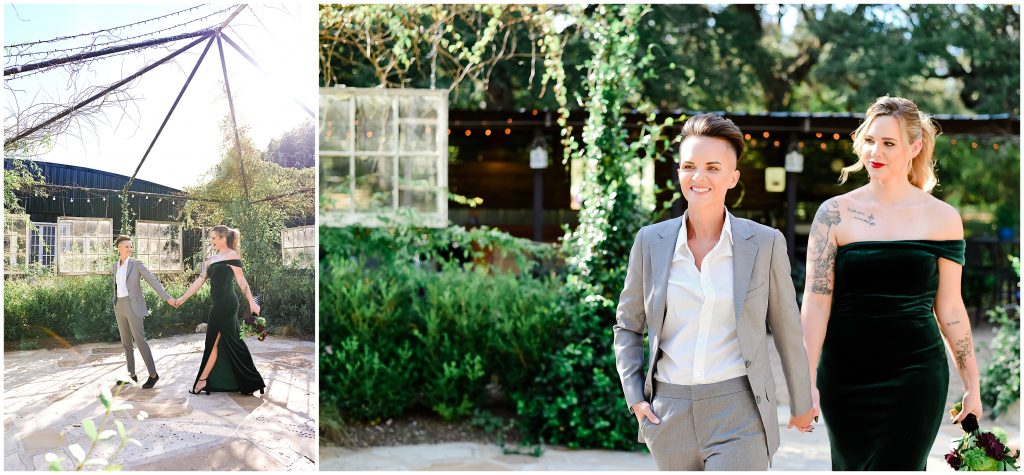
(201, 390)
(250, 393)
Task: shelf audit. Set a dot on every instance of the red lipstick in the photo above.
(876, 164)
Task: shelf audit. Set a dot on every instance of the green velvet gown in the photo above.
(234, 370)
(883, 375)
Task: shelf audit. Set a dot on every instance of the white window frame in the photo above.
(145, 258)
(288, 241)
(20, 251)
(347, 214)
(65, 229)
(38, 252)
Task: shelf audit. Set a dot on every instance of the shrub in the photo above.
(404, 327)
(79, 309)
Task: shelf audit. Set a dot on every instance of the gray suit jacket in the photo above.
(137, 270)
(764, 297)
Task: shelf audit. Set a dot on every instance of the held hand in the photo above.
(972, 405)
(172, 302)
(643, 409)
(815, 403)
(255, 308)
(803, 422)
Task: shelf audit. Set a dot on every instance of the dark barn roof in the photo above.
(90, 203)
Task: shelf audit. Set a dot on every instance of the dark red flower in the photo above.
(969, 424)
(993, 448)
(954, 460)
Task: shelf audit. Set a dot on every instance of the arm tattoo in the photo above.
(962, 351)
(862, 216)
(954, 322)
(824, 251)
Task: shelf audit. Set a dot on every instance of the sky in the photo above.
(282, 38)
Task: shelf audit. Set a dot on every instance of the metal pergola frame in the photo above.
(208, 35)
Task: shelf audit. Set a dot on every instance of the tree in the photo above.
(295, 148)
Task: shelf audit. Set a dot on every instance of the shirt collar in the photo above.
(683, 250)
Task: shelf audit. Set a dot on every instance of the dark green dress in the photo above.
(883, 375)
(234, 369)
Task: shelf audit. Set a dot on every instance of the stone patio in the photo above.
(47, 394)
(798, 451)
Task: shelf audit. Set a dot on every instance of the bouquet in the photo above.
(980, 451)
(253, 325)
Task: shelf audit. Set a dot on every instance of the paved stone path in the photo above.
(47, 394)
(798, 451)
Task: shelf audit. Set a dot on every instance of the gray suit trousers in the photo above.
(706, 427)
(129, 325)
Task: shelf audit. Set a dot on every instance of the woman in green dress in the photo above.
(884, 263)
(227, 365)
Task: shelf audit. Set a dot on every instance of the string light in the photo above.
(952, 141)
(835, 136)
(746, 136)
(449, 131)
(509, 121)
(800, 144)
(469, 132)
(824, 146)
(818, 135)
(508, 131)
(765, 134)
(487, 132)
(995, 146)
(974, 145)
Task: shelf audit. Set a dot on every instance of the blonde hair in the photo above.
(234, 237)
(915, 125)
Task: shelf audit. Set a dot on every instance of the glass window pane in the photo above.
(374, 117)
(374, 184)
(335, 123)
(418, 138)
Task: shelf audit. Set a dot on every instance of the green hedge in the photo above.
(424, 326)
(78, 309)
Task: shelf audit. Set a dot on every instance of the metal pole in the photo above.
(538, 204)
(258, 67)
(101, 93)
(168, 117)
(103, 52)
(791, 182)
(234, 123)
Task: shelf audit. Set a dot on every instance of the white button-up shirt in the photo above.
(121, 277)
(699, 344)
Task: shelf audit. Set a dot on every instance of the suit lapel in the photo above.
(744, 253)
(661, 253)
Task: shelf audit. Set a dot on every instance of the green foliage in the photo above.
(981, 181)
(295, 148)
(406, 321)
(79, 309)
(1000, 379)
(458, 47)
(22, 177)
(277, 197)
(576, 398)
(740, 57)
(100, 434)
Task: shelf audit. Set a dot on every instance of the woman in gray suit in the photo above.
(706, 287)
(130, 308)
